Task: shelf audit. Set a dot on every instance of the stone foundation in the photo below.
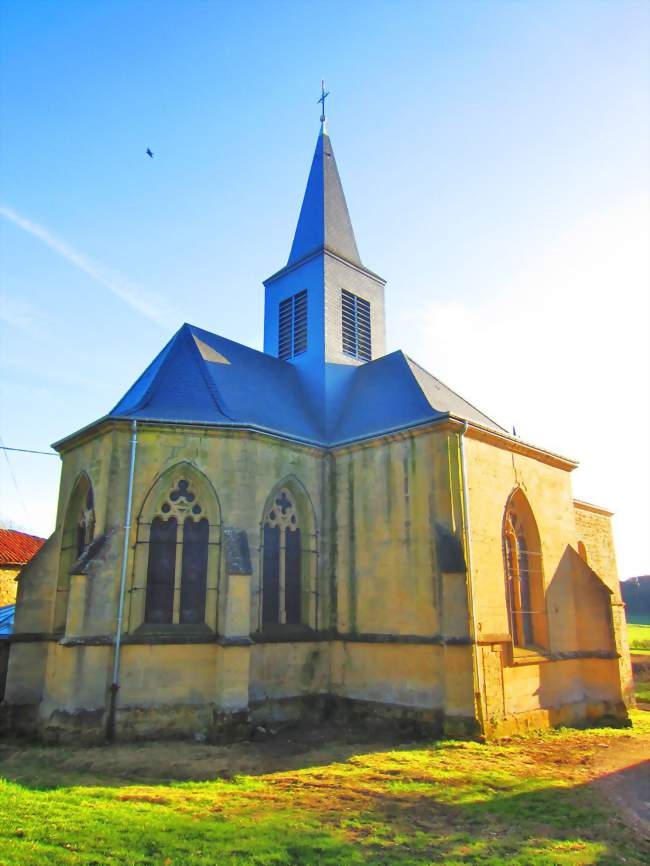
(213, 725)
(209, 723)
(575, 714)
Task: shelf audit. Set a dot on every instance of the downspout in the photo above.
(115, 683)
(467, 532)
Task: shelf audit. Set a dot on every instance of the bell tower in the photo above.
(324, 307)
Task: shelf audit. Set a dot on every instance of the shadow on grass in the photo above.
(320, 817)
(46, 767)
(49, 767)
(553, 825)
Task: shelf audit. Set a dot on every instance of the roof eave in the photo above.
(589, 506)
(323, 250)
(70, 440)
(473, 430)
(503, 440)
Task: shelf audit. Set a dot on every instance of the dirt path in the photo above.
(618, 767)
(624, 778)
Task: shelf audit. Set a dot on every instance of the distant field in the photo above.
(639, 638)
(638, 619)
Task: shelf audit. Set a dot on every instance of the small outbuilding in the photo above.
(16, 550)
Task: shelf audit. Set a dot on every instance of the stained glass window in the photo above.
(282, 562)
(178, 547)
(525, 592)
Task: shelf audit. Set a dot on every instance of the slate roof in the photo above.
(324, 221)
(186, 384)
(17, 548)
(393, 393)
(203, 378)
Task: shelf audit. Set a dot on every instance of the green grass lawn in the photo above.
(638, 638)
(527, 801)
(642, 691)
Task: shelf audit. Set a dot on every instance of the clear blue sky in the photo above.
(495, 160)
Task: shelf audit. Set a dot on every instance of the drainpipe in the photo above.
(115, 683)
(467, 532)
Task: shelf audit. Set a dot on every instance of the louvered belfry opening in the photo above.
(292, 329)
(357, 338)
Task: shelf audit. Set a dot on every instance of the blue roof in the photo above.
(7, 619)
(382, 396)
(202, 378)
(324, 221)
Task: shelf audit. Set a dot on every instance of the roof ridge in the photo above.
(146, 395)
(194, 328)
(207, 379)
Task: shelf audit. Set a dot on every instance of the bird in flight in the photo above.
(149, 153)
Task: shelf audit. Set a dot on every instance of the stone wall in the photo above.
(583, 666)
(396, 631)
(594, 530)
(8, 587)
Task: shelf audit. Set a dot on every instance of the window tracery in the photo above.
(177, 564)
(78, 533)
(524, 576)
(282, 565)
(86, 523)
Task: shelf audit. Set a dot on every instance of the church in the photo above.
(317, 531)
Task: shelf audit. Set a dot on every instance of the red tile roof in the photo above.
(17, 548)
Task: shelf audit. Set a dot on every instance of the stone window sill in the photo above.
(529, 656)
(151, 629)
(278, 632)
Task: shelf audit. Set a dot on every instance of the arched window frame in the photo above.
(303, 510)
(155, 502)
(78, 533)
(524, 575)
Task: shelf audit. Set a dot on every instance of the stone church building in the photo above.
(318, 530)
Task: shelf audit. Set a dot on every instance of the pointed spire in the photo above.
(324, 221)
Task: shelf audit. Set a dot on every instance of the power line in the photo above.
(13, 478)
(29, 451)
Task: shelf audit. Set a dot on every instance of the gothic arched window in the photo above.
(178, 559)
(288, 560)
(86, 523)
(525, 581)
(77, 535)
(177, 552)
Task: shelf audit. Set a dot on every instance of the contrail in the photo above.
(131, 295)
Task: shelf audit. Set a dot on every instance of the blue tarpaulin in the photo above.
(7, 619)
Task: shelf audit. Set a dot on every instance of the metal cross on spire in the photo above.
(323, 96)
